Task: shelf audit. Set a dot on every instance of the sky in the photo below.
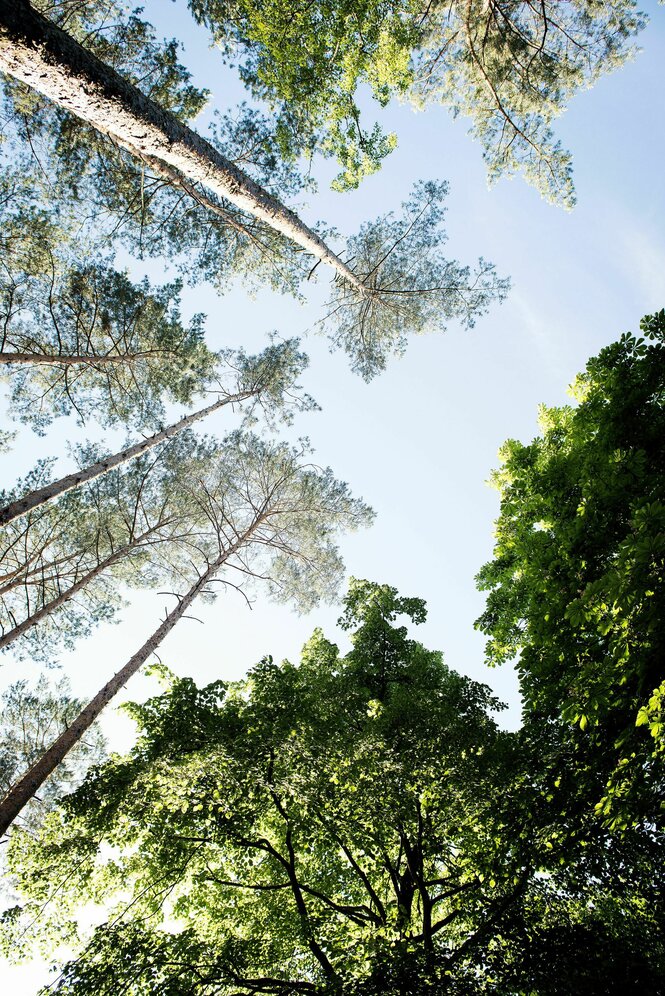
(419, 442)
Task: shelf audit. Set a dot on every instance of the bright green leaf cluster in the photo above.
(577, 583)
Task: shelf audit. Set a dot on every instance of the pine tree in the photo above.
(36, 52)
(269, 516)
(88, 341)
(264, 380)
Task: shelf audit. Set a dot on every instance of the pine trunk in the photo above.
(36, 52)
(21, 793)
(50, 491)
(55, 603)
(76, 359)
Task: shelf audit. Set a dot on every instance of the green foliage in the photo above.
(277, 515)
(98, 345)
(140, 525)
(306, 61)
(290, 817)
(410, 287)
(511, 67)
(28, 230)
(138, 513)
(153, 210)
(272, 377)
(127, 43)
(596, 948)
(357, 824)
(577, 580)
(6, 439)
(89, 182)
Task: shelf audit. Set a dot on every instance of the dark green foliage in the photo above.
(577, 581)
(355, 825)
(28, 230)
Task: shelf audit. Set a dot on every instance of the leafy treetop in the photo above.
(352, 825)
(577, 582)
(510, 67)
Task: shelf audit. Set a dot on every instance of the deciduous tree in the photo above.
(354, 825)
(576, 585)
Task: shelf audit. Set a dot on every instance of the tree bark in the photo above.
(45, 58)
(78, 359)
(21, 793)
(40, 496)
(55, 603)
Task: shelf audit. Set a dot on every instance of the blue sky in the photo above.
(419, 442)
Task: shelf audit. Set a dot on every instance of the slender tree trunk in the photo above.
(77, 359)
(37, 52)
(50, 491)
(21, 793)
(55, 603)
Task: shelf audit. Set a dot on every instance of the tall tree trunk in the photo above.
(79, 359)
(41, 55)
(21, 793)
(55, 603)
(40, 496)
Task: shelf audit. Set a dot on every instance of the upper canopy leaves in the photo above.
(511, 67)
(577, 580)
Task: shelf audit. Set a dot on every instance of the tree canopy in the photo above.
(63, 565)
(510, 67)
(411, 288)
(386, 259)
(576, 585)
(355, 824)
(86, 339)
